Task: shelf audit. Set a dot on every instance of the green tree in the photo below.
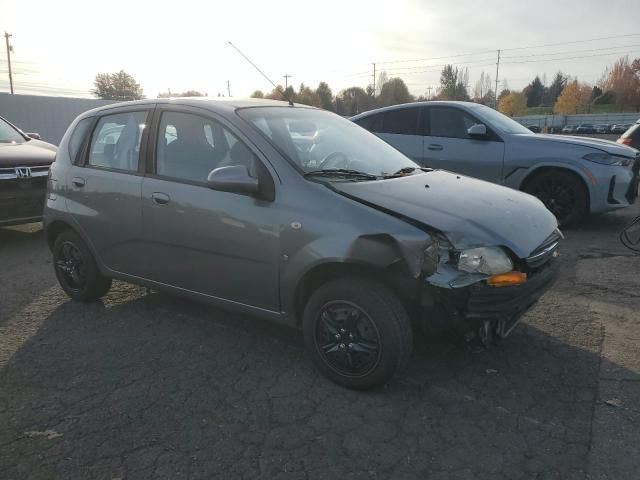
(353, 100)
(326, 96)
(117, 86)
(393, 92)
(534, 92)
(257, 94)
(307, 96)
(453, 84)
(553, 91)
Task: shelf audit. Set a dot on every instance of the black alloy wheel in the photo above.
(562, 193)
(347, 338)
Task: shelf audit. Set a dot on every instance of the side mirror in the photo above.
(35, 136)
(234, 178)
(478, 130)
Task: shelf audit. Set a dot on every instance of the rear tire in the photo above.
(562, 193)
(357, 332)
(76, 268)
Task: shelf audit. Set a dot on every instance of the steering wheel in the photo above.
(334, 160)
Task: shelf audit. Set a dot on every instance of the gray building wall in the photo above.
(48, 116)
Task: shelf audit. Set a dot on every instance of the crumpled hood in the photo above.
(29, 154)
(608, 146)
(468, 211)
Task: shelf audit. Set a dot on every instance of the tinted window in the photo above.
(77, 137)
(116, 141)
(449, 122)
(366, 122)
(190, 147)
(402, 121)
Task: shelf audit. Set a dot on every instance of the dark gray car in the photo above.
(299, 216)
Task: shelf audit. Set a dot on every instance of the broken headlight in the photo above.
(487, 260)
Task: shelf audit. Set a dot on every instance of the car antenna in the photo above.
(263, 74)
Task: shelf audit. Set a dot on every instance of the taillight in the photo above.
(624, 141)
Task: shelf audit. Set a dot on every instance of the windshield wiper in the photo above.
(340, 172)
(406, 170)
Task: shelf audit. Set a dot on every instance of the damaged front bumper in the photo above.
(484, 312)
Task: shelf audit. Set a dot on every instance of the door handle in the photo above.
(78, 182)
(160, 198)
(434, 146)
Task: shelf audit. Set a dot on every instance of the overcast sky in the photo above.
(59, 45)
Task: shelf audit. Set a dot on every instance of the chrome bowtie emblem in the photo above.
(23, 172)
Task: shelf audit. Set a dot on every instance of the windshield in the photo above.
(318, 140)
(499, 121)
(8, 134)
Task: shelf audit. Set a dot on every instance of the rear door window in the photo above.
(115, 143)
(77, 138)
(401, 121)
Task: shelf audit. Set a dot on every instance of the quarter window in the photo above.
(77, 137)
(116, 141)
(190, 146)
(449, 122)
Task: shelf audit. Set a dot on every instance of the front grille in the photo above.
(543, 253)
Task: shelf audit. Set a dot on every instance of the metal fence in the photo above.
(588, 118)
(48, 116)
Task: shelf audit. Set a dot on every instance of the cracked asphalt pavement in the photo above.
(146, 385)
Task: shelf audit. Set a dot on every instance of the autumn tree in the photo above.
(326, 96)
(116, 86)
(574, 99)
(623, 80)
(257, 94)
(394, 92)
(513, 104)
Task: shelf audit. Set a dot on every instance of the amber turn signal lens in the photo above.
(507, 279)
(624, 141)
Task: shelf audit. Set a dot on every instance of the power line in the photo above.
(568, 58)
(566, 52)
(572, 42)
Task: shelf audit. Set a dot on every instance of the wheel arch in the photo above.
(393, 276)
(542, 169)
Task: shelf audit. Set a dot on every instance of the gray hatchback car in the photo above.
(573, 176)
(296, 215)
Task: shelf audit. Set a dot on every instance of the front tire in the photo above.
(357, 332)
(76, 268)
(562, 193)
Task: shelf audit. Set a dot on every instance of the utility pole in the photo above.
(429, 90)
(9, 50)
(286, 80)
(228, 88)
(497, 71)
(374, 79)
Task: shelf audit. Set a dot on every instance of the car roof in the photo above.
(215, 105)
(441, 103)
